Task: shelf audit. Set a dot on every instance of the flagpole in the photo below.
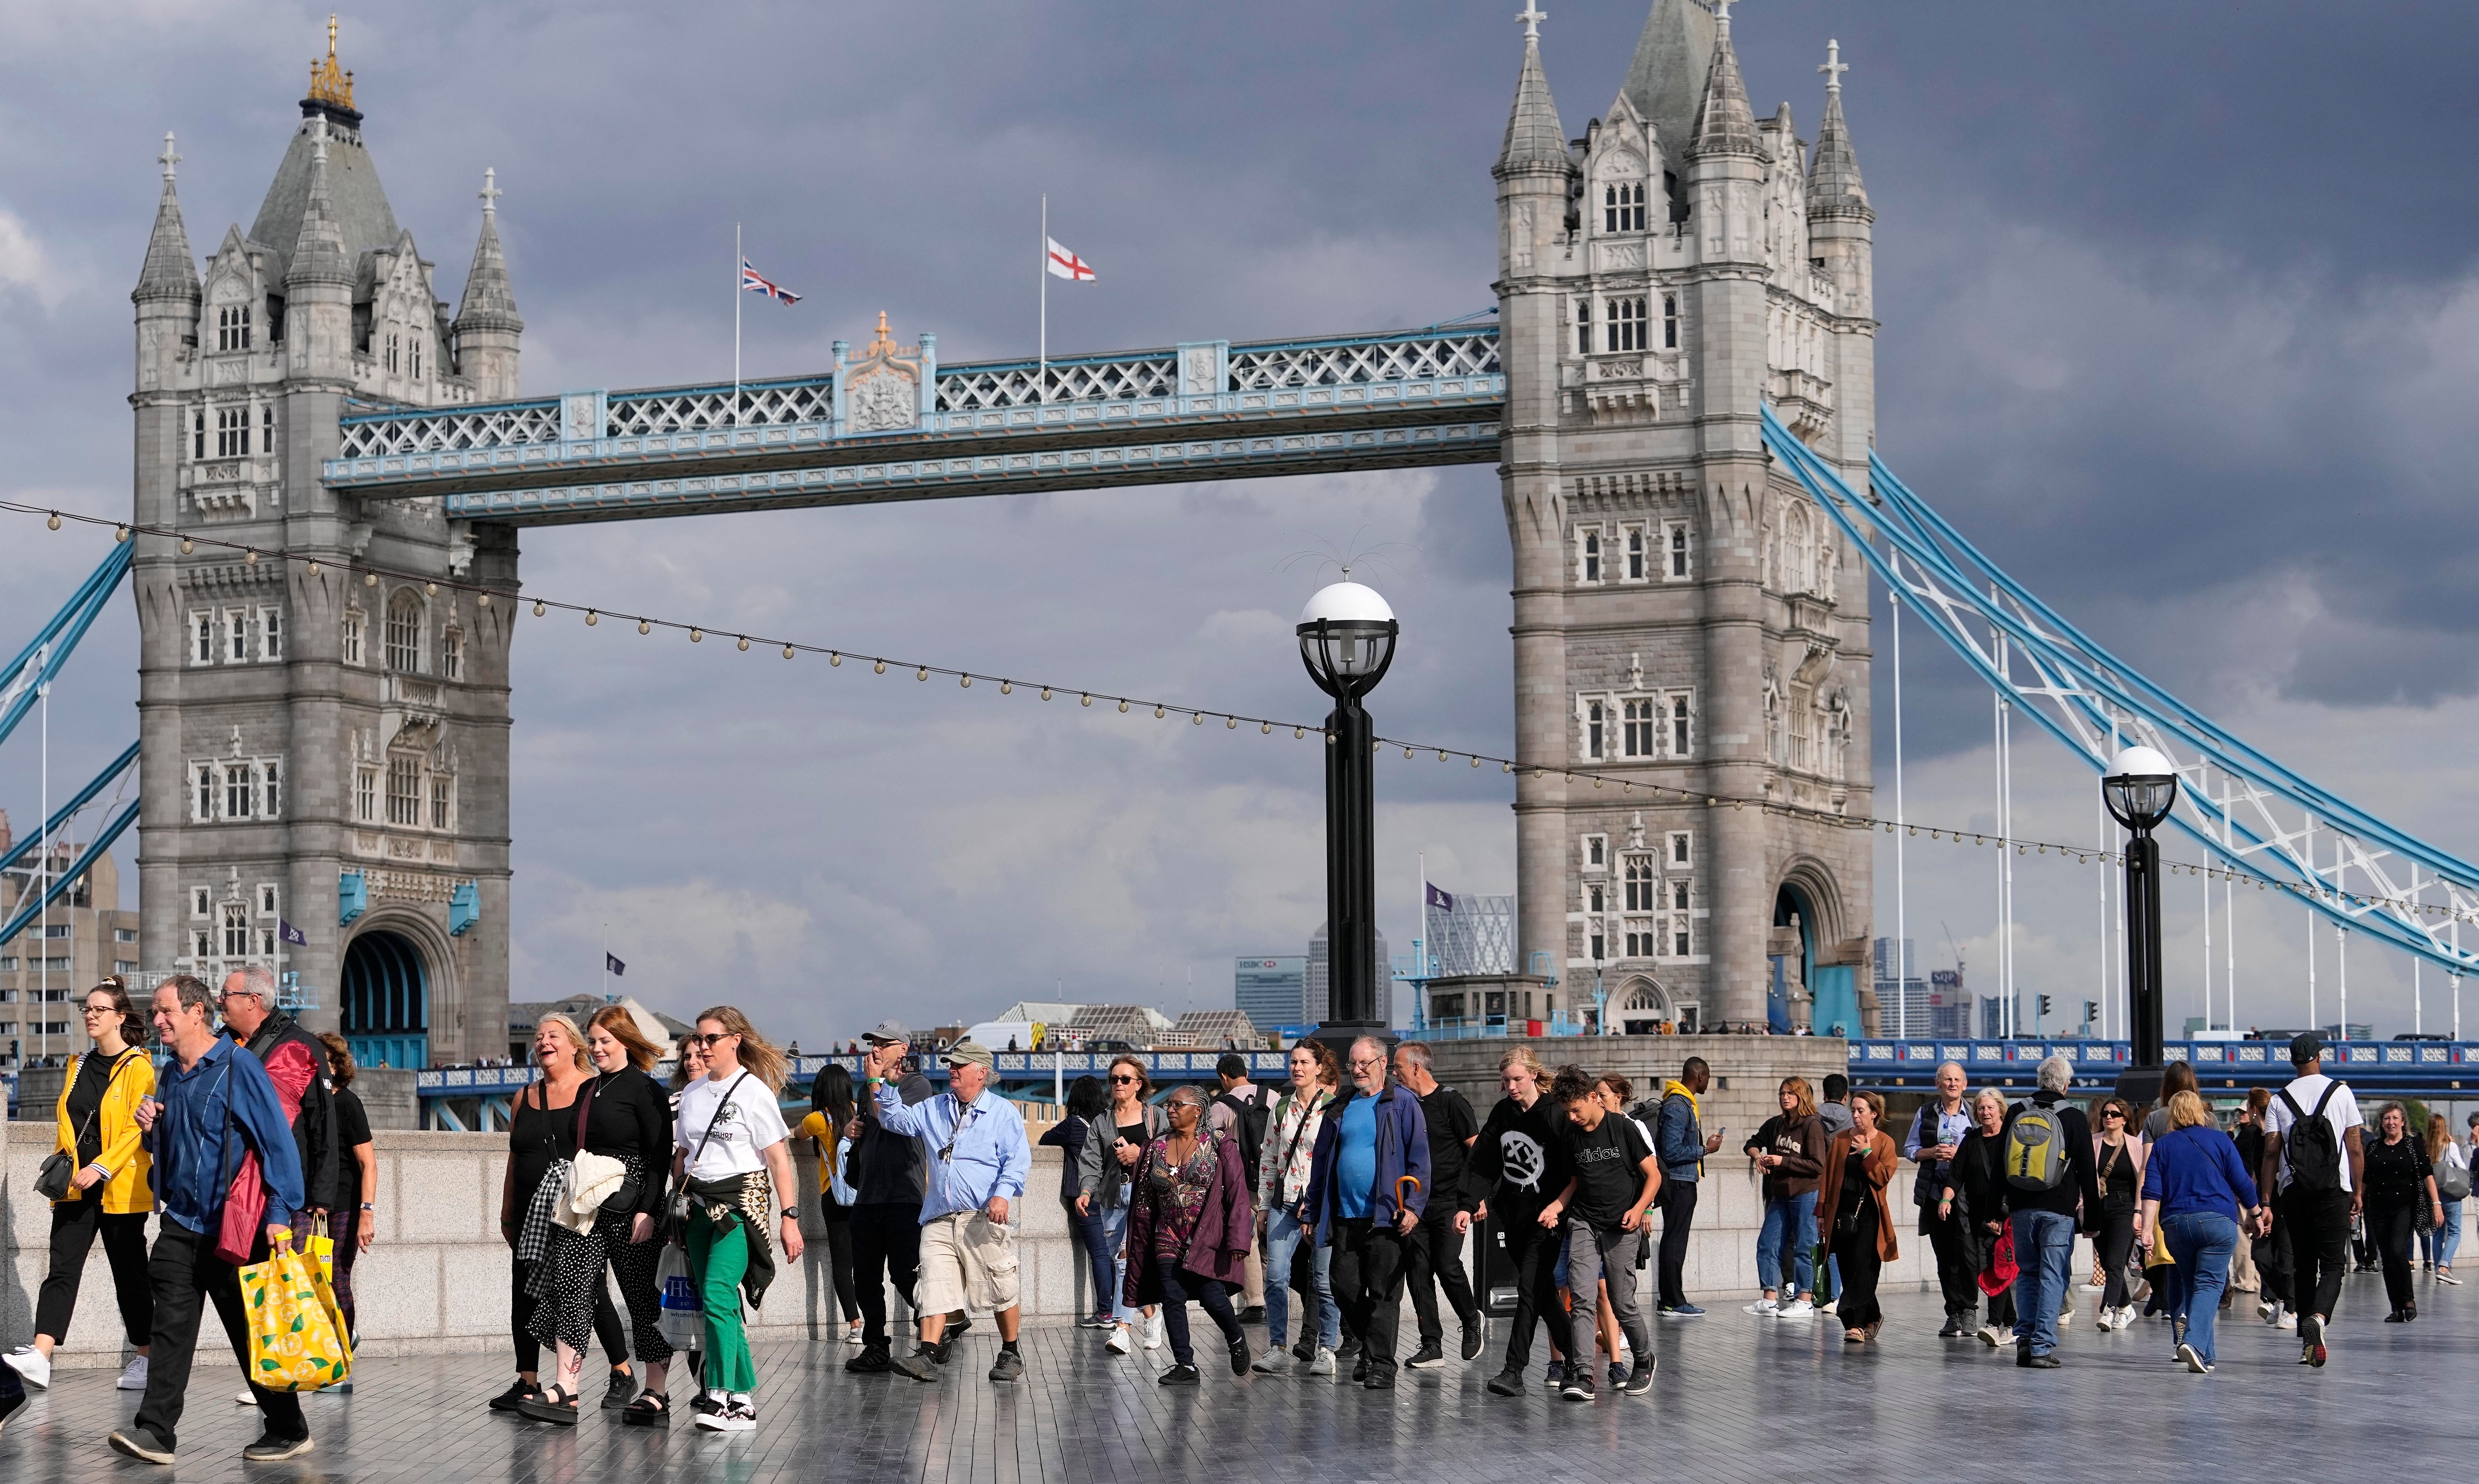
(739, 255)
(1041, 374)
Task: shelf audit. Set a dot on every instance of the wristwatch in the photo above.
(367, 1206)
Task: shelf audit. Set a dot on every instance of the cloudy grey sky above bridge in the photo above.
(2179, 320)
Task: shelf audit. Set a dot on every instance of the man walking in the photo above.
(2314, 1163)
(1240, 1111)
(885, 1170)
(1679, 1145)
(1602, 1211)
(2049, 1177)
(977, 1160)
(1366, 1207)
(1936, 1132)
(297, 1065)
(1434, 1258)
(213, 1104)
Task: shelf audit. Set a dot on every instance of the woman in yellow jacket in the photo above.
(109, 1195)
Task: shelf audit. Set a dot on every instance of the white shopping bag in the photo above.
(684, 1317)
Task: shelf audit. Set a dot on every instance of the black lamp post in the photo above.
(2140, 789)
(1347, 641)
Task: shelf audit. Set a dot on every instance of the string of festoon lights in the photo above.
(1162, 710)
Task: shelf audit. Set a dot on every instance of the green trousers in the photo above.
(719, 1261)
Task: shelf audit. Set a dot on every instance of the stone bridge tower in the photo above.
(322, 749)
(1684, 617)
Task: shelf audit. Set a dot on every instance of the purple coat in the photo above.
(1226, 1228)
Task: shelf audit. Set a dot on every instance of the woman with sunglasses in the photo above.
(534, 1118)
(109, 1194)
(733, 1161)
(1190, 1223)
(1105, 1167)
(2117, 1163)
(1281, 1204)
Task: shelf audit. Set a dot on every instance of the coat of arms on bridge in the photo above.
(880, 389)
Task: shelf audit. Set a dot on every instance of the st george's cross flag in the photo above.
(1066, 265)
(754, 281)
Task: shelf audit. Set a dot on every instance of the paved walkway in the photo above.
(1738, 1399)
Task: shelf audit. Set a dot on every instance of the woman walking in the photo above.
(1085, 1101)
(1190, 1223)
(2196, 1190)
(830, 1110)
(2401, 1188)
(1282, 1204)
(1974, 1194)
(622, 1122)
(1104, 1169)
(533, 1149)
(2117, 1164)
(108, 1194)
(1517, 1164)
(1852, 1191)
(2163, 1298)
(732, 1155)
(1788, 1151)
(355, 1219)
(2452, 1165)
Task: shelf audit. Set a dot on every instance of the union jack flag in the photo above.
(754, 281)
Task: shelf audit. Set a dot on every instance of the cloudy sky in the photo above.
(2180, 319)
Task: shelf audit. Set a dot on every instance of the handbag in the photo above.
(56, 1179)
(679, 1212)
(2453, 1178)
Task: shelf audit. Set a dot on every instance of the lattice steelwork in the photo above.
(375, 433)
(984, 387)
(2251, 813)
(1333, 363)
(710, 409)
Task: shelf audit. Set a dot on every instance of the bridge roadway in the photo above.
(1737, 1400)
(1203, 410)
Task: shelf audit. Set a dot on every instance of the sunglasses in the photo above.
(707, 1038)
(1122, 1079)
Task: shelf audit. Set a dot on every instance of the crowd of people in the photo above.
(1317, 1207)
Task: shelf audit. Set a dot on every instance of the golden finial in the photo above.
(329, 82)
(883, 342)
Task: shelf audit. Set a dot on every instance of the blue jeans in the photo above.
(2448, 1236)
(2203, 1241)
(2044, 1248)
(1093, 1236)
(1115, 1232)
(1790, 1220)
(1284, 1233)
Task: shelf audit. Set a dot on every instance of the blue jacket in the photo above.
(224, 1106)
(2197, 1169)
(1679, 1140)
(1402, 1149)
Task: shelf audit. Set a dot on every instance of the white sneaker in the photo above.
(2065, 1316)
(1989, 1336)
(133, 1376)
(1798, 1309)
(1827, 1306)
(1764, 1308)
(1154, 1330)
(2289, 1317)
(851, 1335)
(1123, 1339)
(1323, 1365)
(246, 1398)
(31, 1363)
(2107, 1321)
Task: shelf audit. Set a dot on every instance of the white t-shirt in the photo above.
(2343, 1113)
(744, 1128)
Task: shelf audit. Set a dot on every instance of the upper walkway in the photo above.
(894, 424)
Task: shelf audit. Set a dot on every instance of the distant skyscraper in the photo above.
(1317, 997)
(1272, 992)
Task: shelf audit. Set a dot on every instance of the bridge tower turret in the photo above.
(1685, 624)
(319, 751)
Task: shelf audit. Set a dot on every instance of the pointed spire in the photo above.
(169, 272)
(490, 302)
(1534, 137)
(1665, 78)
(319, 253)
(1724, 124)
(1833, 184)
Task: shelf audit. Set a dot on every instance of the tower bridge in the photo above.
(1682, 613)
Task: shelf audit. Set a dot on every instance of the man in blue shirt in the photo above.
(1938, 1131)
(213, 1105)
(1369, 1186)
(977, 1158)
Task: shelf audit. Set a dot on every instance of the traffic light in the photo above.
(2044, 1006)
(2091, 1011)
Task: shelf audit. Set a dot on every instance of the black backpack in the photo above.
(1250, 1120)
(2313, 1148)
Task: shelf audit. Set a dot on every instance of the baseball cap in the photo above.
(888, 1033)
(968, 1054)
(2305, 1047)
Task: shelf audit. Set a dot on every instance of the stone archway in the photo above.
(385, 999)
(1642, 1005)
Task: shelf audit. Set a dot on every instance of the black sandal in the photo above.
(650, 1409)
(553, 1405)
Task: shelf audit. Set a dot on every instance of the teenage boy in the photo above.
(1614, 1178)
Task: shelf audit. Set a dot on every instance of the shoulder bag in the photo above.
(55, 1181)
(679, 1212)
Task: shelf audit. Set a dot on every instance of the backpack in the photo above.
(2314, 1149)
(2036, 1158)
(1249, 1120)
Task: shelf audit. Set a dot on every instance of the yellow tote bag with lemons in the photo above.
(296, 1337)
